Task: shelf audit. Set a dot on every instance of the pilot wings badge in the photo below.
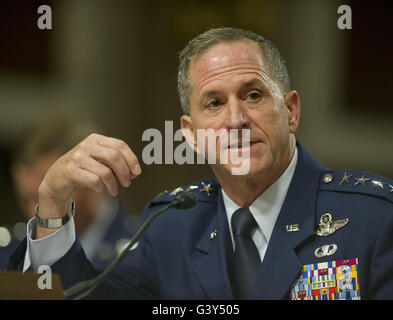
(328, 227)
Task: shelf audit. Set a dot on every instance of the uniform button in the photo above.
(328, 177)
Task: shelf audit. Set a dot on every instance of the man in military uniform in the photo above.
(288, 228)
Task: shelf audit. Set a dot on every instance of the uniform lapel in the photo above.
(281, 265)
(211, 256)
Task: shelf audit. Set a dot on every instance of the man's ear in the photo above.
(188, 131)
(292, 102)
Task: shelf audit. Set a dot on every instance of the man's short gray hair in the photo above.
(276, 67)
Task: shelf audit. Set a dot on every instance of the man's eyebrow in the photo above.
(209, 93)
(251, 83)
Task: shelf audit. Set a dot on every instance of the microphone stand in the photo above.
(84, 288)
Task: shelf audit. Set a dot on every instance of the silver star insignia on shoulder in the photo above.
(192, 188)
(206, 188)
(160, 194)
(378, 183)
(391, 188)
(328, 226)
(361, 180)
(176, 191)
(345, 178)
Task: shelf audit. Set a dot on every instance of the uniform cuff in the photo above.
(48, 250)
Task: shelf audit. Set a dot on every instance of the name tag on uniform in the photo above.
(333, 280)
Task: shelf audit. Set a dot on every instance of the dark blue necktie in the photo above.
(246, 260)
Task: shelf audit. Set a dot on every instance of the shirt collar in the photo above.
(267, 206)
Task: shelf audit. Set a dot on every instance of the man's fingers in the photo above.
(91, 181)
(101, 174)
(119, 145)
(111, 158)
(96, 163)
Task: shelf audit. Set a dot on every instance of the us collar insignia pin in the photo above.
(328, 227)
(213, 234)
(292, 228)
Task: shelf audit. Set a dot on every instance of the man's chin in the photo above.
(245, 169)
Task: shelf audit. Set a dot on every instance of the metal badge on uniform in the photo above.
(325, 250)
(328, 226)
(333, 280)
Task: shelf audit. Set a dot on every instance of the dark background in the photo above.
(117, 60)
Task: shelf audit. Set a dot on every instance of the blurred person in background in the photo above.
(102, 222)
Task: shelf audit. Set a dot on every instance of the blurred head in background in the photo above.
(52, 135)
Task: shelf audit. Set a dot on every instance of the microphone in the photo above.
(185, 200)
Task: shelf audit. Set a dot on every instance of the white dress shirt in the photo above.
(265, 208)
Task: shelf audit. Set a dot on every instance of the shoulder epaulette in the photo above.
(355, 181)
(205, 190)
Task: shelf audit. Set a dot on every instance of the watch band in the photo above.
(54, 223)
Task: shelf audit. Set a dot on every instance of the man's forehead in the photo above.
(224, 54)
(225, 57)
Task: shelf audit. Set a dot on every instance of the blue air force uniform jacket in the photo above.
(333, 239)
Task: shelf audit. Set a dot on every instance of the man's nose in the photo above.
(236, 116)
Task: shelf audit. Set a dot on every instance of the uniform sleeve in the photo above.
(134, 278)
(48, 250)
(381, 282)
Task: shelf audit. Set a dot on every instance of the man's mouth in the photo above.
(242, 144)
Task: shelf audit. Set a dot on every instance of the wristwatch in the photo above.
(54, 223)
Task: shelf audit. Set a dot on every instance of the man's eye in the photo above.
(253, 96)
(213, 104)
